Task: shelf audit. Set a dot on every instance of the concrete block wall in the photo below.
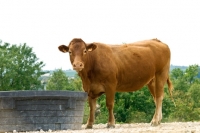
(35, 110)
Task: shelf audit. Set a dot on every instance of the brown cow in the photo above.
(121, 68)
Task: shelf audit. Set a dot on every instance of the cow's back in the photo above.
(138, 62)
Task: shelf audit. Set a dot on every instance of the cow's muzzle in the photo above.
(78, 66)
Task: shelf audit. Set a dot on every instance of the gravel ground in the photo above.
(175, 127)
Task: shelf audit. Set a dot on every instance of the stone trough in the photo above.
(36, 110)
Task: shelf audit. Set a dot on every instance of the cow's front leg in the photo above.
(92, 105)
(110, 105)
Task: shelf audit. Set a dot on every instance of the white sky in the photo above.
(46, 24)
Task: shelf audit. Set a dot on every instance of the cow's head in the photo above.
(78, 51)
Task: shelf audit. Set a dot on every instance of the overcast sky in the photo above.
(46, 24)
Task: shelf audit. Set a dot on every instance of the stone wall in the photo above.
(35, 110)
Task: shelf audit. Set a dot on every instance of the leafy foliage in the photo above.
(19, 68)
(76, 83)
(60, 81)
(186, 90)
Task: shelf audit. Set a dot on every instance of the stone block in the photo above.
(7, 103)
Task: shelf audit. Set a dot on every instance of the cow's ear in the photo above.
(63, 48)
(90, 47)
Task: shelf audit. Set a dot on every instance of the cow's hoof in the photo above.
(110, 126)
(154, 124)
(88, 127)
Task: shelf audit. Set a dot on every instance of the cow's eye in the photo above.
(85, 51)
(70, 52)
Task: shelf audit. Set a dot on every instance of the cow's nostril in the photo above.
(78, 64)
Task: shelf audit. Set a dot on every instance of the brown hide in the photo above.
(138, 63)
(121, 68)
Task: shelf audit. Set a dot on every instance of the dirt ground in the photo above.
(175, 127)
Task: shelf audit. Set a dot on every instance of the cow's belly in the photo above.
(133, 84)
(128, 88)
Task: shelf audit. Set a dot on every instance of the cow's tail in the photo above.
(170, 88)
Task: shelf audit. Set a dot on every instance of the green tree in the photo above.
(191, 73)
(179, 80)
(177, 73)
(182, 80)
(59, 81)
(20, 68)
(76, 83)
(186, 95)
(194, 92)
(185, 109)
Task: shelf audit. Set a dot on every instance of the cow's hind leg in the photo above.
(152, 89)
(156, 87)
